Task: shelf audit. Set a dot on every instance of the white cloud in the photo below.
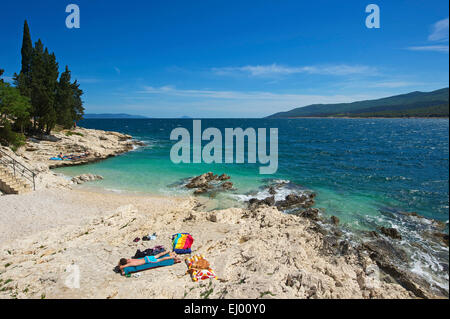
(393, 84)
(440, 31)
(237, 95)
(276, 69)
(438, 35)
(169, 101)
(86, 79)
(237, 104)
(435, 48)
(117, 70)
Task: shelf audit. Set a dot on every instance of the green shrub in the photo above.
(10, 138)
(70, 133)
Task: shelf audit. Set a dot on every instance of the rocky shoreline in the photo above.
(99, 144)
(274, 248)
(382, 246)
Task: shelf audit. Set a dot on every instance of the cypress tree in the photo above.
(44, 76)
(50, 84)
(77, 106)
(27, 49)
(37, 80)
(23, 80)
(64, 100)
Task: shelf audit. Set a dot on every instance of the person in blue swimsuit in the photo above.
(123, 263)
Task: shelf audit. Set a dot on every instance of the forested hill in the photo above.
(414, 104)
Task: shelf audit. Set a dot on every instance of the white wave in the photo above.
(281, 193)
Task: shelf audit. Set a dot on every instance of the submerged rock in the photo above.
(254, 203)
(223, 177)
(294, 200)
(310, 213)
(334, 220)
(200, 191)
(391, 260)
(384, 250)
(442, 237)
(202, 183)
(391, 232)
(227, 185)
(272, 190)
(86, 178)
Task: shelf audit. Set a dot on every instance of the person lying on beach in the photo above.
(73, 157)
(124, 263)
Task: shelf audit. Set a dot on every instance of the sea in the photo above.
(367, 172)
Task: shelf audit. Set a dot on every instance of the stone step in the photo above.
(9, 184)
(14, 189)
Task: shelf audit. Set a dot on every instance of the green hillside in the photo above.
(414, 104)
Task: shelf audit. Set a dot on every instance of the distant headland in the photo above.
(414, 104)
(113, 116)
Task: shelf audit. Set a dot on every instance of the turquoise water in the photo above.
(365, 171)
(356, 166)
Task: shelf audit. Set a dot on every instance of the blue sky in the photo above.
(234, 58)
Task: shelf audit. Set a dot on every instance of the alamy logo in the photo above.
(373, 19)
(212, 152)
(72, 279)
(73, 19)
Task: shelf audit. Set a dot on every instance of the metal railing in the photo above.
(18, 168)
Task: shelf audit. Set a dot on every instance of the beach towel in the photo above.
(167, 262)
(182, 243)
(199, 268)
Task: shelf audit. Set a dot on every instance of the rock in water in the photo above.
(254, 203)
(227, 185)
(443, 237)
(391, 232)
(86, 178)
(383, 249)
(310, 213)
(201, 181)
(294, 200)
(200, 191)
(334, 220)
(223, 177)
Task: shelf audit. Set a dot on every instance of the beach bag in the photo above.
(199, 268)
(182, 243)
